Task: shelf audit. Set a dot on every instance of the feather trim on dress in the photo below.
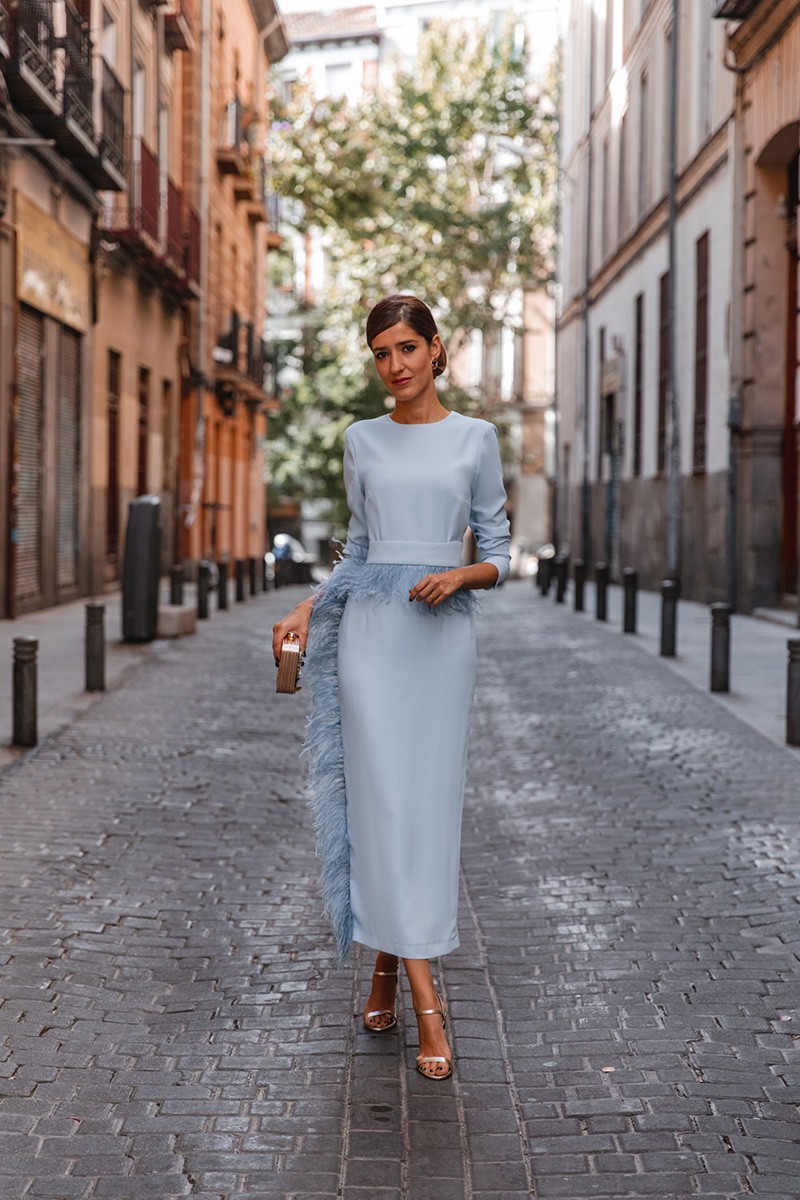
(323, 743)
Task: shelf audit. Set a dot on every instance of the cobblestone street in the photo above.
(625, 1002)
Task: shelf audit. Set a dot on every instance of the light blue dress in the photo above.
(392, 681)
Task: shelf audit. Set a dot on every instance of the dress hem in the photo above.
(407, 950)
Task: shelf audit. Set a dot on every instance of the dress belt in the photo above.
(428, 554)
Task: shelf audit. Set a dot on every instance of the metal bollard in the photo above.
(601, 573)
(793, 694)
(669, 618)
(203, 589)
(630, 585)
(545, 575)
(176, 577)
(251, 563)
(25, 704)
(239, 579)
(579, 574)
(264, 575)
(562, 569)
(223, 568)
(95, 648)
(720, 647)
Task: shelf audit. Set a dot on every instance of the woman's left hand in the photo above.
(434, 589)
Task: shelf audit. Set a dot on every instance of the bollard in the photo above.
(95, 648)
(251, 563)
(24, 731)
(545, 575)
(239, 579)
(601, 572)
(264, 574)
(580, 581)
(562, 567)
(793, 694)
(203, 589)
(223, 568)
(630, 585)
(669, 618)
(176, 577)
(720, 647)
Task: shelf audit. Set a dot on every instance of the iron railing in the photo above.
(193, 234)
(35, 41)
(145, 206)
(112, 114)
(175, 238)
(78, 82)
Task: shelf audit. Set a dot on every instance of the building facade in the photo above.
(132, 243)
(729, 311)
(614, 330)
(50, 164)
(763, 48)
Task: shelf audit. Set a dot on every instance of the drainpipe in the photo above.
(674, 463)
(587, 300)
(205, 226)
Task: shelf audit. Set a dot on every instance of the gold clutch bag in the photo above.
(289, 665)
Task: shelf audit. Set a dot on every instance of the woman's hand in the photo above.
(296, 622)
(435, 589)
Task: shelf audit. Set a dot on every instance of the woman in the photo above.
(392, 665)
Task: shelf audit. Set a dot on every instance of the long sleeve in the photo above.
(357, 543)
(488, 519)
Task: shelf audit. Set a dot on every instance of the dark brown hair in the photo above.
(410, 311)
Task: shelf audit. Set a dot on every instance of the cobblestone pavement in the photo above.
(625, 1003)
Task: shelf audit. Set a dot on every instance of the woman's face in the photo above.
(405, 361)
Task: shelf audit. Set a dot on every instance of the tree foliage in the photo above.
(442, 184)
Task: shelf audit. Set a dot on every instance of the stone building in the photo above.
(733, 324)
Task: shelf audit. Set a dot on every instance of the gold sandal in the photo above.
(441, 1011)
(381, 1012)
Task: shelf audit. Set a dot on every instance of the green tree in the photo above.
(442, 185)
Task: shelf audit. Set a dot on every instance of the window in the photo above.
(663, 371)
(622, 203)
(112, 479)
(605, 238)
(701, 352)
(337, 79)
(644, 145)
(601, 425)
(144, 415)
(638, 376)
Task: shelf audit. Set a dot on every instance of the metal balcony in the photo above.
(178, 27)
(31, 70)
(234, 153)
(193, 252)
(176, 248)
(73, 126)
(5, 31)
(735, 10)
(135, 221)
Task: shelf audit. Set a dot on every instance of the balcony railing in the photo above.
(735, 10)
(78, 82)
(5, 30)
(145, 207)
(112, 119)
(31, 71)
(193, 234)
(176, 249)
(178, 27)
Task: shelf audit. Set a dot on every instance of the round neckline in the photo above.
(419, 424)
